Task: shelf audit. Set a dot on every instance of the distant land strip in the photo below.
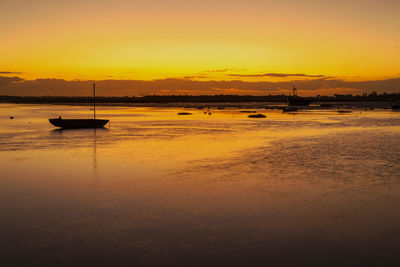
(163, 99)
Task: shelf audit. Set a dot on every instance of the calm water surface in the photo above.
(157, 189)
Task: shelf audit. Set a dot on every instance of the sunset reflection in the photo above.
(159, 186)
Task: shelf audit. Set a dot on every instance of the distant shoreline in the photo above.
(210, 99)
(219, 102)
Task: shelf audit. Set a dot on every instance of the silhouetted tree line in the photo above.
(374, 96)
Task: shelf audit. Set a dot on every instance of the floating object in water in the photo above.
(344, 111)
(11, 117)
(80, 123)
(257, 116)
(184, 113)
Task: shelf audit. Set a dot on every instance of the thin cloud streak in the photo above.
(11, 72)
(194, 77)
(220, 70)
(279, 75)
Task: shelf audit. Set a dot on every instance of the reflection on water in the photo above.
(156, 189)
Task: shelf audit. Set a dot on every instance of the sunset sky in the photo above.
(334, 44)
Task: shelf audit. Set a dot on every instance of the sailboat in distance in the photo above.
(81, 123)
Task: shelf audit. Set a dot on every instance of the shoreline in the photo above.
(227, 105)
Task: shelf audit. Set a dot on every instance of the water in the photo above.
(157, 189)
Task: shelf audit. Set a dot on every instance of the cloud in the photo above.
(10, 72)
(60, 87)
(280, 75)
(220, 70)
(7, 81)
(194, 77)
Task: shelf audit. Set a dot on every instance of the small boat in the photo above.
(81, 123)
(78, 123)
(257, 116)
(295, 100)
(184, 113)
(344, 111)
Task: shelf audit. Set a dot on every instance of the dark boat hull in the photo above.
(78, 123)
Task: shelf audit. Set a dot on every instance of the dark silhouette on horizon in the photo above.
(295, 100)
(392, 97)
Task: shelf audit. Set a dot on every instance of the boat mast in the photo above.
(94, 101)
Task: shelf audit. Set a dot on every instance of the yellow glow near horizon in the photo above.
(122, 41)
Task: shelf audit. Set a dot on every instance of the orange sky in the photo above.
(144, 40)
